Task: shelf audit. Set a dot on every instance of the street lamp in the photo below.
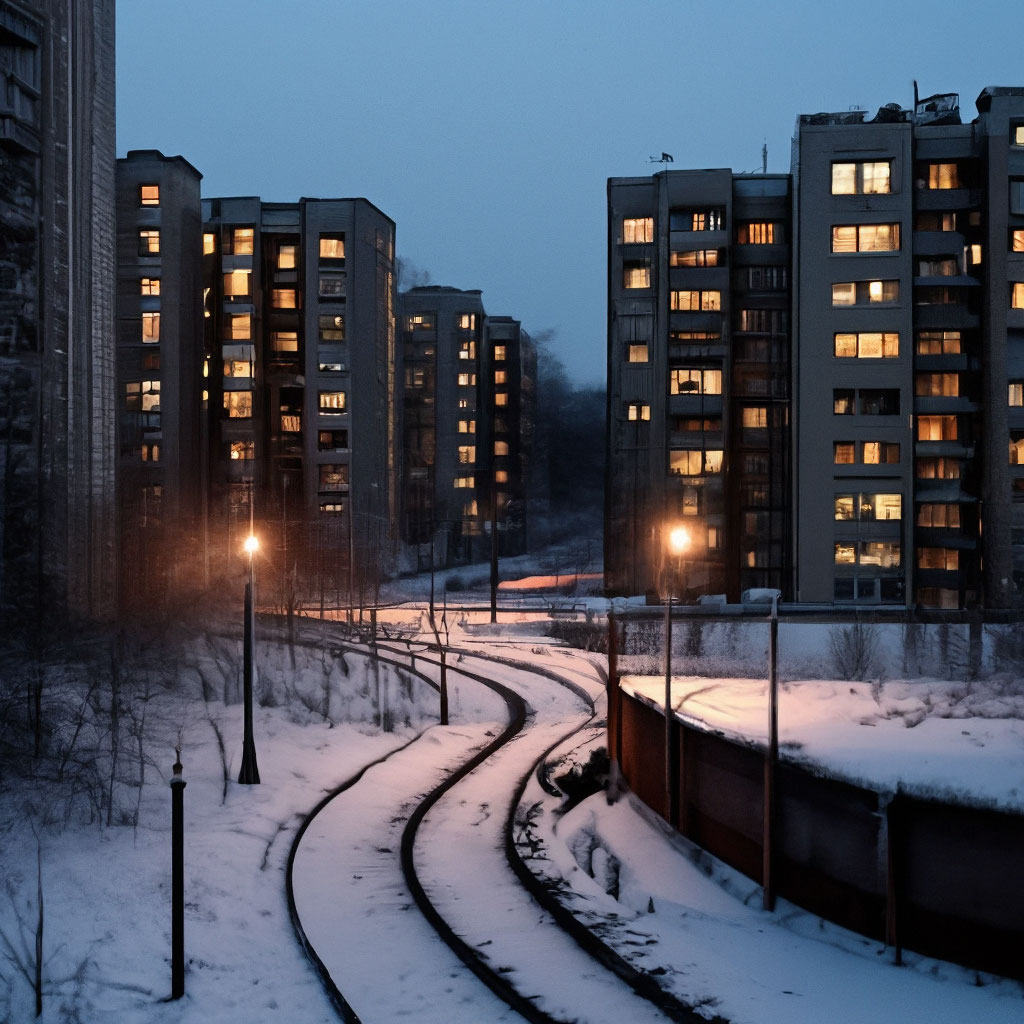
(249, 773)
(678, 542)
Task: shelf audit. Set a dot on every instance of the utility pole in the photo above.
(177, 879)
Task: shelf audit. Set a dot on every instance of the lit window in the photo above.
(501, 447)
(463, 482)
(467, 321)
(332, 403)
(467, 350)
(501, 398)
(943, 176)
(636, 275)
(712, 219)
(500, 353)
(947, 559)
(845, 506)
(937, 385)
(758, 233)
(335, 508)
(291, 422)
(1017, 241)
(332, 247)
(1017, 451)
(149, 242)
(287, 256)
(851, 293)
(334, 477)
(884, 554)
(150, 328)
(501, 476)
(695, 382)
(236, 284)
(470, 509)
(467, 426)
(942, 516)
(637, 230)
(694, 258)
(151, 453)
(880, 453)
(332, 440)
(1017, 393)
(209, 244)
(843, 401)
(974, 254)
(238, 404)
(242, 450)
(149, 286)
(1018, 135)
(149, 195)
(843, 453)
(867, 345)
(463, 403)
(332, 284)
(867, 177)
(420, 322)
(928, 220)
(937, 469)
(283, 298)
(142, 396)
(1017, 295)
(332, 367)
(500, 377)
(755, 417)
(695, 301)
(636, 354)
(238, 360)
(936, 428)
(933, 343)
(238, 326)
(242, 241)
(637, 411)
(284, 341)
(865, 238)
(467, 380)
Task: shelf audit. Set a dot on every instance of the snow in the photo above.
(107, 934)
(961, 741)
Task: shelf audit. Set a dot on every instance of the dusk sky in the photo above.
(487, 131)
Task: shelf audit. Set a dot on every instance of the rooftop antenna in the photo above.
(916, 97)
(665, 158)
(764, 157)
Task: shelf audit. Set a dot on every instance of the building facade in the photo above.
(881, 285)
(57, 400)
(909, 354)
(300, 341)
(698, 381)
(159, 371)
(467, 427)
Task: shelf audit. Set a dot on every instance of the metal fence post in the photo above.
(770, 763)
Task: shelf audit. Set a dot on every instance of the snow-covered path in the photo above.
(359, 915)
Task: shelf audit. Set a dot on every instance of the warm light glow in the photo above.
(678, 540)
(251, 544)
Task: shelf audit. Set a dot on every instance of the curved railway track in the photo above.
(497, 980)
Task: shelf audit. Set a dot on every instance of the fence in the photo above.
(944, 879)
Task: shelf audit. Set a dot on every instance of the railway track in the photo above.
(525, 944)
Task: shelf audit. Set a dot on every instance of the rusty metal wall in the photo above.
(943, 879)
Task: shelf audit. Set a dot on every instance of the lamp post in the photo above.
(678, 542)
(249, 773)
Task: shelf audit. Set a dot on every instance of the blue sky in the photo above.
(488, 131)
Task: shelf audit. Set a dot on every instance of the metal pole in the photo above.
(248, 773)
(671, 797)
(614, 709)
(494, 550)
(177, 880)
(770, 763)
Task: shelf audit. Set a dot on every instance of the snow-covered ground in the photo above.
(107, 932)
(932, 737)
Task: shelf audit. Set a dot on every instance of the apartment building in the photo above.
(467, 427)
(909, 354)
(299, 307)
(698, 381)
(159, 370)
(57, 397)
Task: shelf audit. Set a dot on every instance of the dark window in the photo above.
(879, 401)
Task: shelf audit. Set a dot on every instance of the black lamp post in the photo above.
(177, 880)
(249, 773)
(678, 542)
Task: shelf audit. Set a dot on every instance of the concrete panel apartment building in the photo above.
(896, 476)
(467, 422)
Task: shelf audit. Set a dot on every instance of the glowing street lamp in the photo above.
(249, 773)
(678, 542)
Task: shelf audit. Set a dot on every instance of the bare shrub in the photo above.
(853, 651)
